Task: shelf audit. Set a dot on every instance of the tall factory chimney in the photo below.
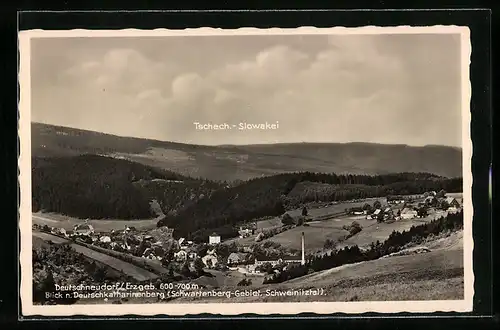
(303, 262)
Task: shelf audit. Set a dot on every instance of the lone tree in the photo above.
(304, 211)
(380, 217)
(185, 270)
(198, 266)
(300, 221)
(355, 228)
(377, 205)
(287, 219)
(329, 244)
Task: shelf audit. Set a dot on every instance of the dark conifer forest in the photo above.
(98, 187)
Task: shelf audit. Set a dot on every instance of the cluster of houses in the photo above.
(83, 229)
(383, 214)
(187, 252)
(149, 245)
(410, 209)
(246, 232)
(154, 244)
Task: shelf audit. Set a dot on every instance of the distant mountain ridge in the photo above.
(242, 162)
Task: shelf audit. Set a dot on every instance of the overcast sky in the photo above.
(401, 89)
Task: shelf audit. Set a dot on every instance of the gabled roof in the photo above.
(377, 211)
(209, 256)
(214, 234)
(237, 256)
(450, 199)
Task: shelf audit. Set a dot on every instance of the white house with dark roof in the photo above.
(408, 213)
(214, 239)
(237, 258)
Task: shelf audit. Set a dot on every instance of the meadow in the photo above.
(68, 223)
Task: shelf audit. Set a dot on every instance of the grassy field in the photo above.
(373, 231)
(319, 231)
(315, 237)
(269, 223)
(61, 221)
(315, 234)
(228, 280)
(336, 208)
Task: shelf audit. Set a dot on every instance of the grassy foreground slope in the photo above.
(249, 161)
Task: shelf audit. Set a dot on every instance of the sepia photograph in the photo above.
(266, 171)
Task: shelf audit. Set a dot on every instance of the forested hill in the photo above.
(97, 187)
(229, 163)
(269, 196)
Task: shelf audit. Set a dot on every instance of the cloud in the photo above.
(123, 70)
(353, 88)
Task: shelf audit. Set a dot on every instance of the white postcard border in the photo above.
(25, 221)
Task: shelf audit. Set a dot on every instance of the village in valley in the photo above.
(258, 255)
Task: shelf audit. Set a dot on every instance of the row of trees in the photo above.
(352, 254)
(325, 193)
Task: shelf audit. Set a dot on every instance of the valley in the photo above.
(237, 217)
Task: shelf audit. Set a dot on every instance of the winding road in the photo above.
(131, 270)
